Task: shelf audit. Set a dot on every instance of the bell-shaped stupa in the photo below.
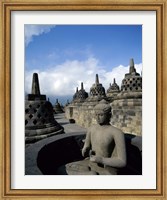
(80, 95)
(113, 90)
(39, 116)
(127, 105)
(132, 81)
(97, 89)
(97, 93)
(72, 109)
(58, 107)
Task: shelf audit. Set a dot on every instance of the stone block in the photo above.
(130, 112)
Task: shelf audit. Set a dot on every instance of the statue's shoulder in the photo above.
(93, 127)
(115, 130)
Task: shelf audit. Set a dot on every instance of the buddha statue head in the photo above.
(103, 112)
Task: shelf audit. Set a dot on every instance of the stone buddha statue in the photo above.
(104, 148)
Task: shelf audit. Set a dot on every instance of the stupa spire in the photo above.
(35, 85)
(97, 79)
(82, 86)
(131, 63)
(132, 68)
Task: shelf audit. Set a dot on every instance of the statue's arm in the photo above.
(121, 159)
(87, 144)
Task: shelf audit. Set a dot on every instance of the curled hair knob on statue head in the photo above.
(104, 106)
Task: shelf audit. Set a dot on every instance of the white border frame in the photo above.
(148, 20)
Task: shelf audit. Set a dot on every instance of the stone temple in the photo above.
(126, 103)
(39, 118)
(112, 143)
(81, 108)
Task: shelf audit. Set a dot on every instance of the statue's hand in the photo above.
(97, 159)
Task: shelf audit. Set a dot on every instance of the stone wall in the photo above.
(86, 117)
(72, 112)
(127, 115)
(83, 115)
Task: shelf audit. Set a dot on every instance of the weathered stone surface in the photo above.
(127, 105)
(40, 160)
(130, 118)
(81, 110)
(86, 167)
(39, 118)
(97, 89)
(35, 91)
(132, 80)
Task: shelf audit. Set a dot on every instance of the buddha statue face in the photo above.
(102, 118)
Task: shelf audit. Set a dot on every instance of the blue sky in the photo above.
(69, 54)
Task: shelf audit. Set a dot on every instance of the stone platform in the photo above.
(46, 156)
(68, 127)
(32, 150)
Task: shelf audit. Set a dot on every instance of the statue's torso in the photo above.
(102, 141)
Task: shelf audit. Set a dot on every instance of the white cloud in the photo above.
(62, 80)
(35, 30)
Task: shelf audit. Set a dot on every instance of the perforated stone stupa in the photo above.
(132, 81)
(113, 90)
(80, 95)
(72, 110)
(81, 108)
(97, 90)
(58, 107)
(86, 116)
(39, 118)
(127, 105)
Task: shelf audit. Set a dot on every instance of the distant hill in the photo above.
(61, 99)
